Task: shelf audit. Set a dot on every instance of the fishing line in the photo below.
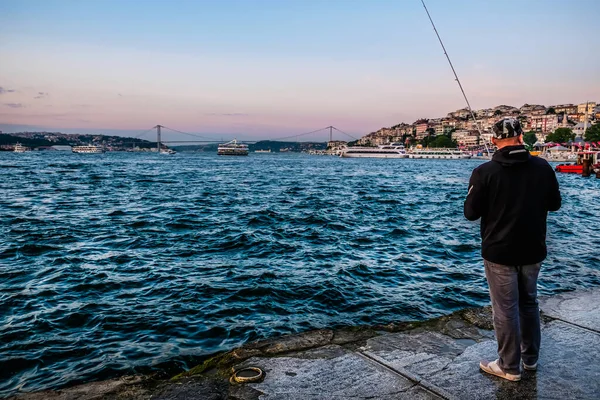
(453, 70)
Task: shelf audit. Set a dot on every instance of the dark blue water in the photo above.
(116, 263)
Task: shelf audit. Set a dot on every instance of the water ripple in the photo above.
(122, 263)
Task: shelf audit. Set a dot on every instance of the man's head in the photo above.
(507, 132)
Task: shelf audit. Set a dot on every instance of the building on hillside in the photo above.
(486, 137)
(529, 108)
(506, 109)
(421, 130)
(336, 144)
(484, 113)
(565, 108)
(466, 138)
(487, 123)
(580, 128)
(588, 107)
(544, 123)
(462, 113)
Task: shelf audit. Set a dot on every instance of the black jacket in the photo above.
(512, 195)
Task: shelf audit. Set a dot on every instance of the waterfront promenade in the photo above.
(435, 359)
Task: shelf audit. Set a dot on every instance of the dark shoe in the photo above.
(532, 367)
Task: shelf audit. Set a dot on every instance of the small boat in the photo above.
(167, 151)
(19, 148)
(262, 151)
(577, 167)
(232, 148)
(393, 150)
(90, 149)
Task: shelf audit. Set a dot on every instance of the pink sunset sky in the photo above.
(230, 68)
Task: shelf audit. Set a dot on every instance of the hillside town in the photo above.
(460, 126)
(63, 141)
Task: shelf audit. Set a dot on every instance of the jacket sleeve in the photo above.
(554, 198)
(475, 202)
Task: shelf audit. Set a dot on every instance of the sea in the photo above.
(121, 263)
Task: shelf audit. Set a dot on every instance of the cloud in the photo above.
(228, 114)
(14, 105)
(41, 95)
(3, 90)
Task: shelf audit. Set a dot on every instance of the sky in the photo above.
(272, 68)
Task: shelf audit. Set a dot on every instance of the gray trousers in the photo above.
(516, 314)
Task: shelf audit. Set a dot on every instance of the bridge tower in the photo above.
(158, 137)
(331, 133)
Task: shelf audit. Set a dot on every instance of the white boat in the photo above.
(19, 148)
(88, 149)
(393, 150)
(232, 148)
(262, 151)
(446, 154)
(167, 151)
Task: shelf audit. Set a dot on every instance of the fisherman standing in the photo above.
(512, 195)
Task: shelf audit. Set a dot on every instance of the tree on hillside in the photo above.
(439, 141)
(551, 110)
(561, 135)
(592, 134)
(450, 132)
(529, 138)
(498, 113)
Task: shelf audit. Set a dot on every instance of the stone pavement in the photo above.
(435, 359)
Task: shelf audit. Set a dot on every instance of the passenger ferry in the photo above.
(88, 149)
(393, 150)
(447, 154)
(232, 148)
(19, 148)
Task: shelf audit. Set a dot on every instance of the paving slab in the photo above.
(581, 308)
(335, 373)
(422, 354)
(567, 367)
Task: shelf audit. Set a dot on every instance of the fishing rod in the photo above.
(455, 74)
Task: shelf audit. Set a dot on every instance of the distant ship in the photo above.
(167, 151)
(232, 148)
(393, 150)
(447, 154)
(263, 151)
(88, 149)
(19, 148)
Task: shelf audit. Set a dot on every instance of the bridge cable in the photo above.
(298, 135)
(347, 134)
(145, 132)
(191, 134)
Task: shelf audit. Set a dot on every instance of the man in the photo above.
(512, 195)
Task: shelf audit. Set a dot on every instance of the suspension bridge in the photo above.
(201, 139)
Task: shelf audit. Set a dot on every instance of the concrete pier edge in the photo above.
(431, 359)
